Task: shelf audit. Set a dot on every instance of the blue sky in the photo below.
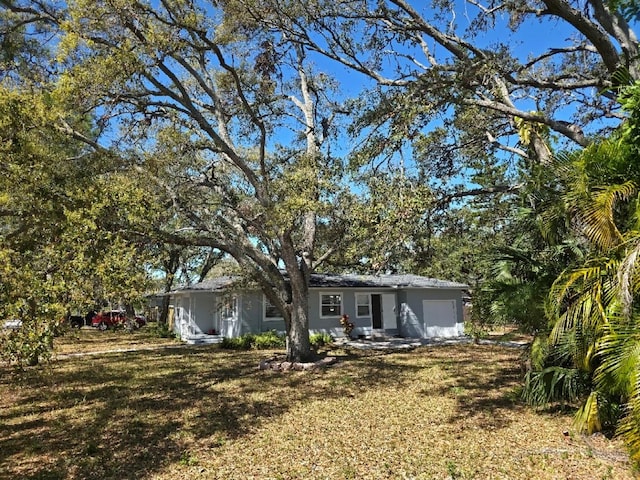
(529, 39)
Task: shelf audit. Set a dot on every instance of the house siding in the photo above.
(331, 325)
(412, 323)
(253, 315)
(199, 311)
(250, 312)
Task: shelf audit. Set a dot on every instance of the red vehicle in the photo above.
(115, 318)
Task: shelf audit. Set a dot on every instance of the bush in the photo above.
(30, 344)
(268, 340)
(237, 343)
(476, 331)
(162, 330)
(347, 326)
(260, 341)
(318, 340)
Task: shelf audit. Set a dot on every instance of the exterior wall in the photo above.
(253, 317)
(194, 313)
(331, 325)
(183, 324)
(203, 311)
(200, 312)
(412, 322)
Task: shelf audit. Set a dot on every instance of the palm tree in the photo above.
(592, 352)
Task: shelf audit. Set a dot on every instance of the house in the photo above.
(402, 305)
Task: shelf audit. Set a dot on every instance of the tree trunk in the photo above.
(164, 310)
(171, 267)
(297, 323)
(298, 345)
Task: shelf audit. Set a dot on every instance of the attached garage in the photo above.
(441, 318)
(435, 310)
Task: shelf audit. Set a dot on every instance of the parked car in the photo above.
(115, 318)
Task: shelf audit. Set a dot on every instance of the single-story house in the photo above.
(396, 305)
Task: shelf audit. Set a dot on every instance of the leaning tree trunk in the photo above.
(298, 345)
(163, 317)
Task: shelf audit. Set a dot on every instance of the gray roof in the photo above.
(210, 285)
(388, 281)
(325, 280)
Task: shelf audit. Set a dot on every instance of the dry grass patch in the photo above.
(444, 412)
(92, 340)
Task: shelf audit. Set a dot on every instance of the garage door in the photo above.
(440, 318)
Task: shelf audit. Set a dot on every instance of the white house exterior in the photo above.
(402, 305)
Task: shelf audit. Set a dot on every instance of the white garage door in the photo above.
(440, 318)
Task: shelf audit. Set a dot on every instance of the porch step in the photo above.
(379, 335)
(202, 339)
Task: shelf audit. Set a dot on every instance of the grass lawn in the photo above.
(92, 340)
(190, 413)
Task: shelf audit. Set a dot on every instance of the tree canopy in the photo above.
(475, 72)
(230, 124)
(231, 118)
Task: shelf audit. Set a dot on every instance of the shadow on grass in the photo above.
(484, 384)
(130, 415)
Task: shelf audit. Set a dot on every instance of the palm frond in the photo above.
(619, 350)
(622, 77)
(594, 343)
(587, 418)
(595, 218)
(539, 351)
(629, 430)
(553, 385)
(629, 427)
(619, 374)
(579, 296)
(627, 275)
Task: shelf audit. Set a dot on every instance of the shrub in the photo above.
(268, 340)
(347, 326)
(30, 344)
(162, 330)
(476, 331)
(238, 343)
(318, 340)
(260, 341)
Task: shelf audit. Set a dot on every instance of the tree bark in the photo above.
(171, 267)
(164, 310)
(298, 345)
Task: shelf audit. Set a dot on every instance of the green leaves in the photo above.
(64, 223)
(594, 320)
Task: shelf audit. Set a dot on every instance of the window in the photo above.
(363, 305)
(330, 304)
(228, 307)
(270, 310)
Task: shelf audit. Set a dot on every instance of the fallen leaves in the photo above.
(442, 412)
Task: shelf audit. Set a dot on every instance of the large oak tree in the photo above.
(462, 82)
(248, 118)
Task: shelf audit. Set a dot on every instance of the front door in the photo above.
(376, 312)
(228, 316)
(383, 311)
